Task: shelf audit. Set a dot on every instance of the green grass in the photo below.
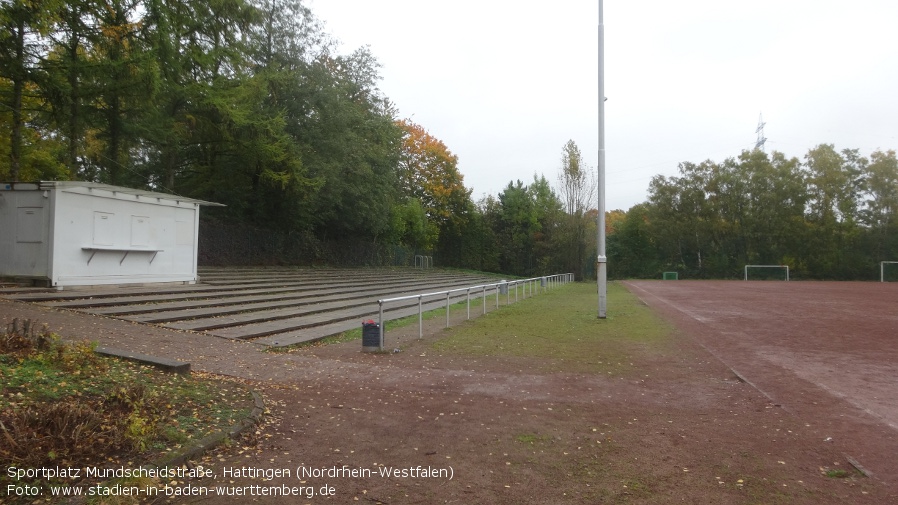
(561, 329)
(838, 473)
(532, 438)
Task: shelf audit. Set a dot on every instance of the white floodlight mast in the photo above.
(601, 259)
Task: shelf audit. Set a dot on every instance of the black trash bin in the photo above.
(370, 336)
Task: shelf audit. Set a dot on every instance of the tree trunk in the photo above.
(72, 155)
(18, 87)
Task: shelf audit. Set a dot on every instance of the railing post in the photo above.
(447, 309)
(545, 283)
(380, 323)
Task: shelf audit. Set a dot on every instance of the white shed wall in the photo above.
(24, 233)
(105, 237)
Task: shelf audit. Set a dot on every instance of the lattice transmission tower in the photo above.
(759, 144)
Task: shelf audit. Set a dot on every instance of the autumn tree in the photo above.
(428, 172)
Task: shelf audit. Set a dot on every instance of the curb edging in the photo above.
(209, 441)
(204, 444)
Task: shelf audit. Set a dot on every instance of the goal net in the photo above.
(763, 272)
(886, 273)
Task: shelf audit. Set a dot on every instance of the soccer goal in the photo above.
(670, 276)
(882, 269)
(785, 267)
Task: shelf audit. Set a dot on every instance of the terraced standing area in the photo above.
(271, 306)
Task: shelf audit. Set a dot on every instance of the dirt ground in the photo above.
(823, 350)
(702, 420)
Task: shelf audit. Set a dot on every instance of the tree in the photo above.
(576, 182)
(631, 248)
(881, 206)
(833, 181)
(716, 217)
(518, 223)
(349, 142)
(429, 172)
(834, 185)
(551, 219)
(24, 26)
(577, 187)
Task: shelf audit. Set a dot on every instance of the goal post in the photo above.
(785, 267)
(882, 269)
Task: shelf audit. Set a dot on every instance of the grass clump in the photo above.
(531, 438)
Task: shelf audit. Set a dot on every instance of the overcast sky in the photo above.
(505, 84)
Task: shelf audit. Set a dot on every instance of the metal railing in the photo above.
(502, 287)
(423, 261)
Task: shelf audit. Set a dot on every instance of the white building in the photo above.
(67, 233)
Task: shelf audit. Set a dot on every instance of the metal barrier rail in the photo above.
(502, 287)
(423, 261)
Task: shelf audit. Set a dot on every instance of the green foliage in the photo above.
(631, 246)
(248, 103)
(831, 217)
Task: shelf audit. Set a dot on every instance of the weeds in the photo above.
(63, 404)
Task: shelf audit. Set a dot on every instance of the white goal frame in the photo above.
(768, 266)
(882, 270)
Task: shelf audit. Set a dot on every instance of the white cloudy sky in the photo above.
(505, 84)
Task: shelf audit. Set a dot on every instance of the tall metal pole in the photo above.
(601, 259)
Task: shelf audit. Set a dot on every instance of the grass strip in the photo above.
(561, 328)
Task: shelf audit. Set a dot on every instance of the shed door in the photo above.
(104, 228)
(29, 225)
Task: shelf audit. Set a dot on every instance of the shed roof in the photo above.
(90, 186)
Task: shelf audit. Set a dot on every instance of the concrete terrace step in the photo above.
(262, 276)
(330, 318)
(88, 294)
(138, 295)
(152, 303)
(319, 332)
(277, 306)
(289, 316)
(193, 310)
